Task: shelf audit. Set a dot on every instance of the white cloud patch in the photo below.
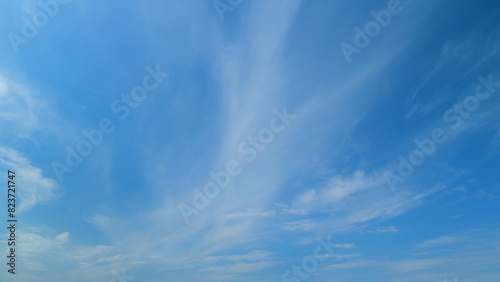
(241, 267)
(253, 255)
(393, 266)
(344, 246)
(386, 229)
(36, 188)
(19, 108)
(441, 241)
(415, 265)
(250, 213)
(63, 237)
(337, 188)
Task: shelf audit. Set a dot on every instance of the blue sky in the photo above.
(239, 141)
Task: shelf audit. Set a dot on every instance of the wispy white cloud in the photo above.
(337, 188)
(387, 229)
(441, 241)
(23, 111)
(252, 77)
(396, 266)
(344, 246)
(63, 237)
(253, 255)
(466, 253)
(241, 267)
(415, 265)
(36, 188)
(349, 201)
(251, 213)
